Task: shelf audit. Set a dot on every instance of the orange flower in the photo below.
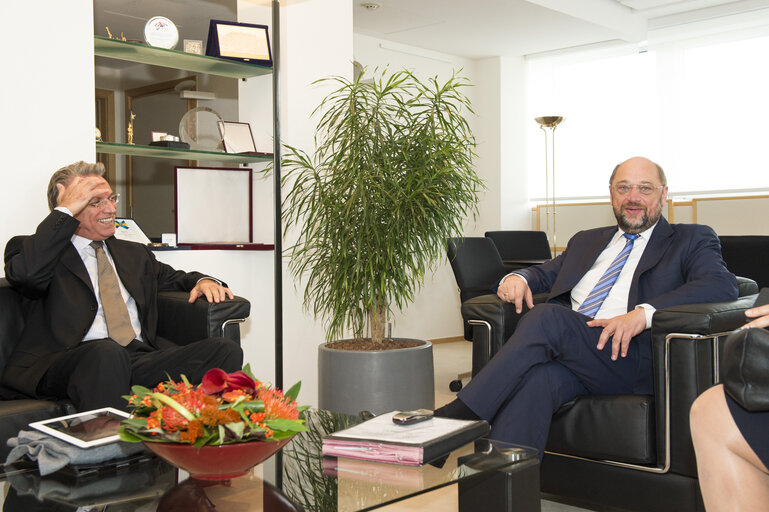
(235, 394)
(172, 419)
(193, 432)
(276, 405)
(212, 416)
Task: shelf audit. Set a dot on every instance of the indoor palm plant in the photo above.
(390, 180)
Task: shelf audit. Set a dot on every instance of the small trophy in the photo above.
(131, 128)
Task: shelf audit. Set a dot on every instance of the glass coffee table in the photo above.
(488, 474)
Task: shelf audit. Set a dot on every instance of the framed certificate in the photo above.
(237, 137)
(245, 42)
(214, 205)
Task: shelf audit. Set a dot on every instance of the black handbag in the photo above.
(745, 368)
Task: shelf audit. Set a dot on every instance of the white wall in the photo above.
(48, 103)
(316, 41)
(515, 205)
(490, 138)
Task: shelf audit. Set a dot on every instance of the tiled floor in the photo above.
(451, 359)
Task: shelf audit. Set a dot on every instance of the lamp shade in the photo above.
(549, 121)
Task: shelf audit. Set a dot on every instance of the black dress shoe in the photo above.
(457, 410)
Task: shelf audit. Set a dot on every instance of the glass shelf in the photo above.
(145, 54)
(114, 148)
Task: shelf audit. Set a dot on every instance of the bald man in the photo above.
(592, 335)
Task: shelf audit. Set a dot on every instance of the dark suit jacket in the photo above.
(681, 264)
(46, 269)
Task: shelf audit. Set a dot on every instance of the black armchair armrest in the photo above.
(183, 323)
(686, 343)
(493, 322)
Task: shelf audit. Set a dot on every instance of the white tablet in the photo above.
(85, 429)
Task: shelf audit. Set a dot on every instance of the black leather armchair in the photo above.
(746, 255)
(520, 249)
(178, 321)
(477, 268)
(629, 452)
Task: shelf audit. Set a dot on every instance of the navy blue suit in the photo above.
(552, 356)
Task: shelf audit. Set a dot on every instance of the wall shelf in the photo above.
(145, 54)
(115, 148)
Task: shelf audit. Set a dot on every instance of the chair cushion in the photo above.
(619, 428)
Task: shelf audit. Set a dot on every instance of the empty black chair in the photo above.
(747, 256)
(520, 249)
(477, 268)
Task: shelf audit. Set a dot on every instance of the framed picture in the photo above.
(237, 137)
(214, 205)
(245, 42)
(193, 46)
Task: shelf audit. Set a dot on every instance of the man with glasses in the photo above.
(90, 329)
(592, 335)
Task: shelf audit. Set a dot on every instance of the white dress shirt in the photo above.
(98, 329)
(87, 253)
(615, 303)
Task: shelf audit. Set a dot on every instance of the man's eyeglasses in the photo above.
(114, 199)
(644, 190)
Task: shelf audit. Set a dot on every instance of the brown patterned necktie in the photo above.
(115, 311)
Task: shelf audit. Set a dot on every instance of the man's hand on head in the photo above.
(80, 191)
(515, 289)
(760, 316)
(213, 291)
(621, 330)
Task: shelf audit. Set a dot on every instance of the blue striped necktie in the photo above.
(595, 298)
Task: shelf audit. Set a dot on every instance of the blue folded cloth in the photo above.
(53, 454)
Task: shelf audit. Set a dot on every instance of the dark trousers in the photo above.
(550, 359)
(98, 373)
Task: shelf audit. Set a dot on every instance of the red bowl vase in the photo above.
(217, 462)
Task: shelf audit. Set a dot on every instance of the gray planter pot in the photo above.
(350, 381)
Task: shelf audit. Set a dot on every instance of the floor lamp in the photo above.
(544, 123)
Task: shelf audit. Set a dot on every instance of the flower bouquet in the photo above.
(203, 428)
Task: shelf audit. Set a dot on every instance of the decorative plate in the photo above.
(161, 32)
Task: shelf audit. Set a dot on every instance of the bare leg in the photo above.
(731, 476)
